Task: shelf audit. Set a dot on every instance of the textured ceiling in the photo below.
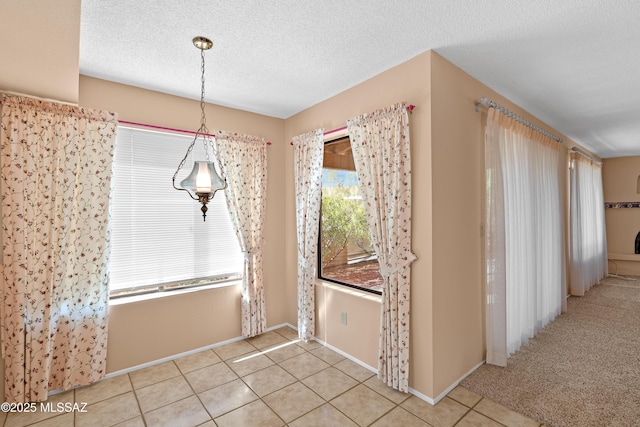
(575, 64)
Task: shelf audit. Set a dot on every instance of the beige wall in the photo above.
(407, 82)
(39, 47)
(357, 337)
(620, 180)
(447, 318)
(145, 331)
(446, 134)
(457, 193)
(457, 208)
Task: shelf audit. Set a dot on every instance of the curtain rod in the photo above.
(409, 107)
(491, 104)
(189, 132)
(593, 159)
(26, 95)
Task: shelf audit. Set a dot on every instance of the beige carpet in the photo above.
(582, 370)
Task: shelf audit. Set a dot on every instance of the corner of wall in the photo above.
(410, 82)
(42, 48)
(457, 138)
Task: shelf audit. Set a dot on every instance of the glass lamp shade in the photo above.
(203, 179)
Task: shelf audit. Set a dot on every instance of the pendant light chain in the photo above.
(204, 180)
(203, 118)
(203, 126)
(184, 160)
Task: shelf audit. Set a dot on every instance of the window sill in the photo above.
(169, 293)
(351, 291)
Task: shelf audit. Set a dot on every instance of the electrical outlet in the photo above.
(343, 317)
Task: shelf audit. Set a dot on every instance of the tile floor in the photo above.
(270, 380)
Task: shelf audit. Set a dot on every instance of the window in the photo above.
(158, 238)
(346, 254)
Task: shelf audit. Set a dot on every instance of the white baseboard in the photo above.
(421, 396)
(282, 325)
(186, 353)
(342, 353)
(329, 346)
(451, 387)
(346, 355)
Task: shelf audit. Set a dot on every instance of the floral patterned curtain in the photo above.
(308, 158)
(56, 169)
(381, 151)
(243, 162)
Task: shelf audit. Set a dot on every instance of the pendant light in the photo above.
(203, 181)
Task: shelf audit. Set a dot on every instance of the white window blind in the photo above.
(158, 237)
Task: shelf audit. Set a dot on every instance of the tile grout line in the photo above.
(194, 391)
(224, 361)
(135, 395)
(261, 397)
(470, 409)
(296, 378)
(300, 380)
(260, 351)
(305, 350)
(274, 363)
(346, 415)
(358, 382)
(311, 351)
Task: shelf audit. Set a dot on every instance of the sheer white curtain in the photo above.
(381, 152)
(525, 273)
(588, 258)
(56, 185)
(308, 157)
(243, 162)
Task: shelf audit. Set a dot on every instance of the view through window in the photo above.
(346, 254)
